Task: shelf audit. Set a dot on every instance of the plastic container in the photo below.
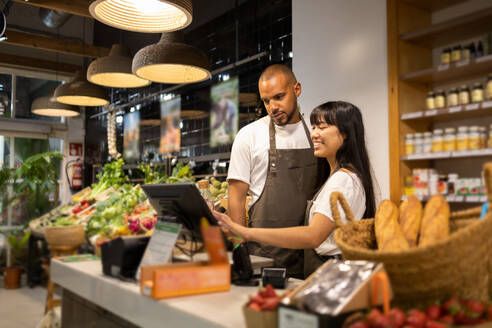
(456, 54)
(437, 141)
(464, 95)
(450, 139)
(477, 93)
(462, 138)
(446, 56)
(439, 99)
(419, 143)
(453, 97)
(427, 142)
(409, 144)
(474, 138)
(429, 101)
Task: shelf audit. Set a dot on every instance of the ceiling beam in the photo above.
(74, 7)
(36, 64)
(65, 46)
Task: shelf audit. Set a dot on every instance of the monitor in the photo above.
(182, 201)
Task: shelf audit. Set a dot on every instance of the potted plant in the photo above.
(17, 240)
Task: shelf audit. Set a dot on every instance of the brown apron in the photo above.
(313, 260)
(290, 182)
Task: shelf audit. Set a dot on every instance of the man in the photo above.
(273, 159)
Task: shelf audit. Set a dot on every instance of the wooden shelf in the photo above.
(452, 31)
(452, 72)
(450, 113)
(448, 155)
(432, 5)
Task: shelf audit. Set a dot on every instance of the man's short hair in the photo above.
(275, 69)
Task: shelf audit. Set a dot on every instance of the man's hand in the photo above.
(237, 201)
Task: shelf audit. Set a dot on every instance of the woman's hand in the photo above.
(226, 222)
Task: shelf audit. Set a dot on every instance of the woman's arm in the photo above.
(301, 237)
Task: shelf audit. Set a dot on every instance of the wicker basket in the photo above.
(65, 236)
(458, 265)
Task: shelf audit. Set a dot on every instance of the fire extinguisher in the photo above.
(75, 166)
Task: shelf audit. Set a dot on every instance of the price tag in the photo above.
(455, 109)
(472, 106)
(443, 67)
(161, 244)
(459, 198)
(408, 116)
(487, 104)
(463, 63)
(432, 112)
(473, 199)
(451, 198)
(289, 318)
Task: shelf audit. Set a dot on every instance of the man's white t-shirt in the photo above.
(351, 187)
(249, 155)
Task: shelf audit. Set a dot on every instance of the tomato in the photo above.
(452, 306)
(372, 317)
(257, 299)
(397, 317)
(270, 303)
(417, 318)
(254, 307)
(433, 312)
(476, 307)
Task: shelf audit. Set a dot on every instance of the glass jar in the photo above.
(489, 87)
(409, 144)
(429, 101)
(456, 54)
(465, 54)
(483, 137)
(439, 99)
(446, 56)
(464, 96)
(419, 143)
(450, 139)
(477, 92)
(474, 138)
(427, 142)
(453, 97)
(437, 141)
(462, 138)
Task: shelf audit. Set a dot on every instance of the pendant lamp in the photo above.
(171, 61)
(148, 16)
(48, 106)
(79, 92)
(115, 70)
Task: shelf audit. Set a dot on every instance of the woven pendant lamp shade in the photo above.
(48, 106)
(115, 70)
(171, 61)
(147, 16)
(79, 92)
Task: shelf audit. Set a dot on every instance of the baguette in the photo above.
(388, 232)
(435, 222)
(410, 218)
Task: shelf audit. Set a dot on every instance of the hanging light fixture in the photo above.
(148, 16)
(79, 92)
(115, 70)
(171, 61)
(48, 106)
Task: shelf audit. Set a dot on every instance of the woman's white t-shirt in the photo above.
(351, 187)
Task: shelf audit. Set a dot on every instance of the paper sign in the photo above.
(161, 244)
(288, 318)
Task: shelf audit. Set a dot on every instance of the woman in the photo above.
(338, 138)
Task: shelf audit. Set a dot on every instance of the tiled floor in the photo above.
(22, 307)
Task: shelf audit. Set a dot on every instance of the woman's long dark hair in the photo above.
(352, 155)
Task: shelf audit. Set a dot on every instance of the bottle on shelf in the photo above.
(477, 92)
(479, 49)
(427, 142)
(450, 139)
(439, 99)
(462, 138)
(409, 144)
(419, 143)
(456, 54)
(437, 141)
(465, 54)
(453, 97)
(483, 137)
(489, 87)
(446, 56)
(464, 96)
(473, 51)
(429, 101)
(490, 136)
(474, 138)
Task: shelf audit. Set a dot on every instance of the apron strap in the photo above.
(308, 133)
(273, 144)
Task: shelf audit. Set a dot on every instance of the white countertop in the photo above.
(223, 309)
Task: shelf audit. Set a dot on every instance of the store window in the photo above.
(5, 95)
(27, 90)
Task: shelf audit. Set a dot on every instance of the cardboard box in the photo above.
(260, 319)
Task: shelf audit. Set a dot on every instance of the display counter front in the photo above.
(91, 299)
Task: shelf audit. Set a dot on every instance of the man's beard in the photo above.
(289, 117)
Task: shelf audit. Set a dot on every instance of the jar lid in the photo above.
(464, 86)
(463, 128)
(418, 135)
(477, 84)
(453, 90)
(474, 128)
(438, 131)
(450, 130)
(430, 94)
(409, 136)
(429, 134)
(439, 91)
